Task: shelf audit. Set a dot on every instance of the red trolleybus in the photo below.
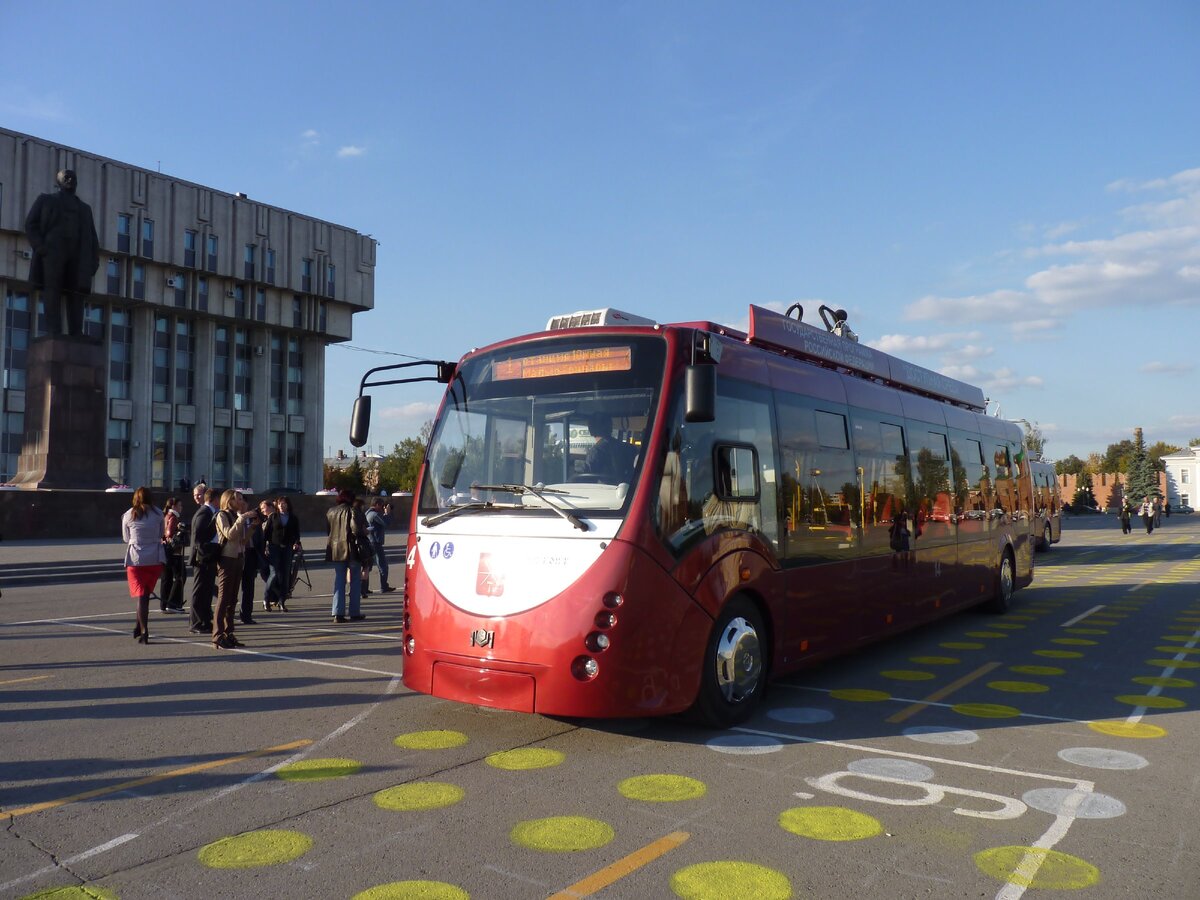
(621, 518)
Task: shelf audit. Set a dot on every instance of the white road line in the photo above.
(1082, 616)
(62, 619)
(1139, 712)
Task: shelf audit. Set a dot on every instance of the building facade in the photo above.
(1183, 468)
(215, 311)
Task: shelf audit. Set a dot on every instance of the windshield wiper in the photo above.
(455, 510)
(540, 493)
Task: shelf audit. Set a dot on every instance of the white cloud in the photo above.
(998, 305)
(409, 411)
(1162, 368)
(350, 150)
(903, 344)
(1004, 379)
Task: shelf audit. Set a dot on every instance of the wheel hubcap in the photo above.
(739, 661)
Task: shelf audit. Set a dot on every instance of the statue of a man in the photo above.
(66, 254)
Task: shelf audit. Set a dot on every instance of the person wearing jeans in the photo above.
(347, 529)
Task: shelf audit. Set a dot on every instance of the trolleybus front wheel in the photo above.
(735, 666)
(1002, 598)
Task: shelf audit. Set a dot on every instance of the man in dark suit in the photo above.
(66, 254)
(204, 564)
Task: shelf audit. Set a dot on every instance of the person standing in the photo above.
(174, 575)
(255, 562)
(141, 530)
(1147, 514)
(379, 519)
(1126, 516)
(283, 540)
(205, 549)
(346, 527)
(232, 523)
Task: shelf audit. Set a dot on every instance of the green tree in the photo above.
(1035, 441)
(1084, 493)
(1117, 457)
(1143, 479)
(347, 479)
(1157, 451)
(399, 470)
(1072, 465)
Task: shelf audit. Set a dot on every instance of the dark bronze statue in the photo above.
(66, 254)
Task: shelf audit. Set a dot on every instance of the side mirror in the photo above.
(360, 420)
(700, 389)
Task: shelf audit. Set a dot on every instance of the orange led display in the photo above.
(570, 362)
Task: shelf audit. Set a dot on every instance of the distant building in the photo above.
(1183, 470)
(215, 310)
(1108, 488)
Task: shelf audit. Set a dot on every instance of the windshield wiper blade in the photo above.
(454, 511)
(540, 493)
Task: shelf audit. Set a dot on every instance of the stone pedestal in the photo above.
(65, 416)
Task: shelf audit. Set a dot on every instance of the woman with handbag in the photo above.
(142, 530)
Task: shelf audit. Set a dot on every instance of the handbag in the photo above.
(364, 550)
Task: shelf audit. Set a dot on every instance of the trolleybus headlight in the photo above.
(597, 641)
(585, 668)
(605, 620)
(612, 600)
(410, 646)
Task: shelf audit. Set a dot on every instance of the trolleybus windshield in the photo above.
(544, 427)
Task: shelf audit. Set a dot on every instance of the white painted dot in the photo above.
(745, 744)
(1076, 804)
(887, 767)
(800, 715)
(1102, 758)
(940, 734)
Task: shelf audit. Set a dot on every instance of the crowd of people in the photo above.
(1151, 510)
(231, 545)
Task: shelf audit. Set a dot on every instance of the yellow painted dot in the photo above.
(419, 796)
(413, 890)
(829, 823)
(73, 892)
(1059, 654)
(1120, 728)
(1074, 642)
(1151, 702)
(318, 769)
(1033, 867)
(1181, 638)
(430, 740)
(907, 675)
(562, 834)
(1018, 687)
(986, 710)
(1184, 650)
(1006, 626)
(1038, 670)
(859, 695)
(962, 645)
(730, 878)
(935, 660)
(1162, 681)
(1174, 663)
(525, 758)
(662, 788)
(1086, 630)
(255, 848)
(986, 634)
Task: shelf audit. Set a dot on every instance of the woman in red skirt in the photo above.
(142, 530)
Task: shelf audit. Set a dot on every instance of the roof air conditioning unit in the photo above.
(230, 294)
(25, 254)
(171, 281)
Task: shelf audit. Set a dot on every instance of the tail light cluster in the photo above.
(586, 667)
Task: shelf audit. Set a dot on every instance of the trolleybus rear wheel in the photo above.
(734, 674)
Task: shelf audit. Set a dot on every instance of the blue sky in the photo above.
(1008, 193)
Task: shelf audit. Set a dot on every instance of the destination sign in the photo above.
(568, 362)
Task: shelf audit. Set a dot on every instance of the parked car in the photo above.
(1185, 510)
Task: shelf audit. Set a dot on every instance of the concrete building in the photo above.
(1183, 470)
(215, 311)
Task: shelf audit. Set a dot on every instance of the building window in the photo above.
(16, 351)
(185, 452)
(239, 301)
(11, 442)
(306, 270)
(181, 291)
(260, 305)
(243, 371)
(211, 263)
(297, 312)
(185, 362)
(270, 266)
(124, 226)
(242, 442)
(112, 272)
(160, 451)
(330, 279)
(139, 281)
(162, 360)
(278, 384)
(221, 371)
(221, 456)
(295, 378)
(248, 268)
(202, 293)
(93, 322)
(292, 459)
(189, 248)
(118, 450)
(275, 460)
(1184, 500)
(147, 238)
(120, 357)
(1183, 476)
(321, 317)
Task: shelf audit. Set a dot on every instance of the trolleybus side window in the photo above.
(971, 485)
(822, 497)
(885, 476)
(934, 512)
